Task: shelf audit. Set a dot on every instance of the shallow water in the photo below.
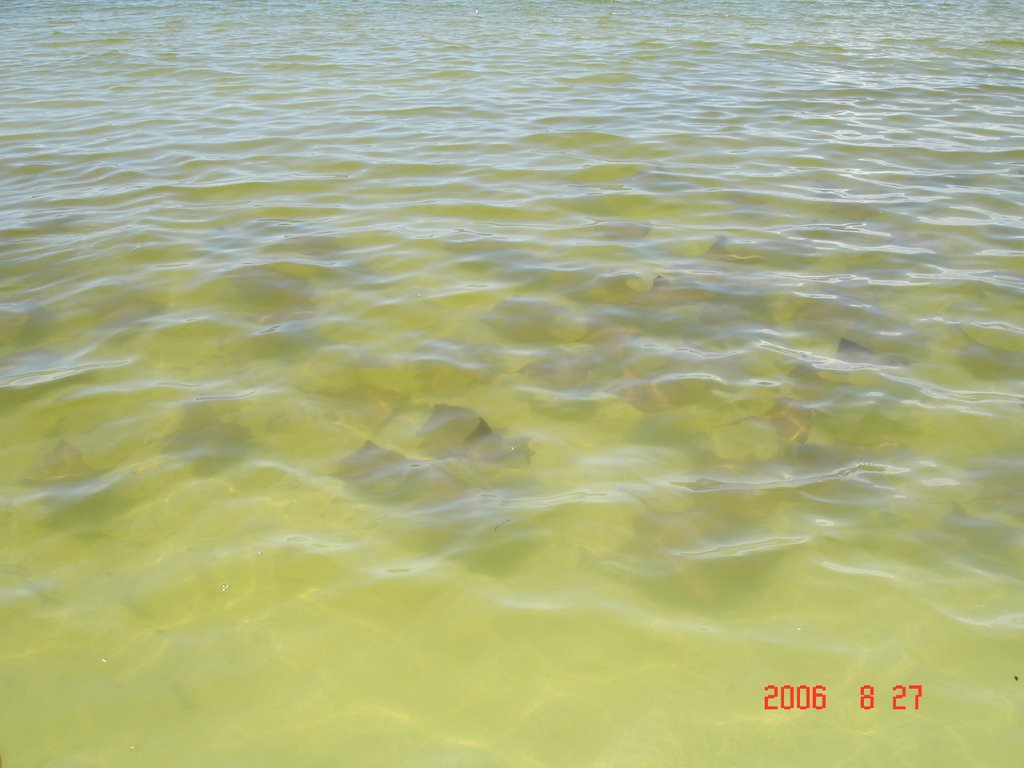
(510, 383)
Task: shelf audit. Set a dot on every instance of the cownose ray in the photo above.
(386, 475)
(65, 464)
(484, 444)
(534, 320)
(370, 404)
(622, 230)
(450, 507)
(207, 439)
(653, 394)
(717, 546)
(443, 367)
(614, 342)
(376, 403)
(456, 431)
(622, 288)
(722, 248)
(987, 362)
(790, 419)
(852, 352)
(444, 377)
(118, 310)
(665, 292)
(559, 368)
(13, 319)
(977, 535)
(450, 434)
(76, 492)
(271, 292)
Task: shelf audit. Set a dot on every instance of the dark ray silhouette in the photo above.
(207, 440)
(455, 431)
(386, 475)
(852, 352)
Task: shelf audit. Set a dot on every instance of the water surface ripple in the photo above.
(509, 383)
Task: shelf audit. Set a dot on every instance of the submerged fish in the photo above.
(722, 551)
(661, 393)
(384, 474)
(271, 291)
(791, 420)
(558, 368)
(445, 377)
(722, 248)
(13, 318)
(373, 404)
(211, 443)
(532, 320)
(484, 444)
(73, 491)
(629, 231)
(447, 428)
(368, 461)
(457, 441)
(666, 293)
(990, 363)
(64, 464)
(119, 310)
(455, 431)
(622, 288)
(852, 352)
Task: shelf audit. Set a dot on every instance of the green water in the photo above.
(505, 384)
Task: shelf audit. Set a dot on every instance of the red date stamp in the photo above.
(816, 697)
